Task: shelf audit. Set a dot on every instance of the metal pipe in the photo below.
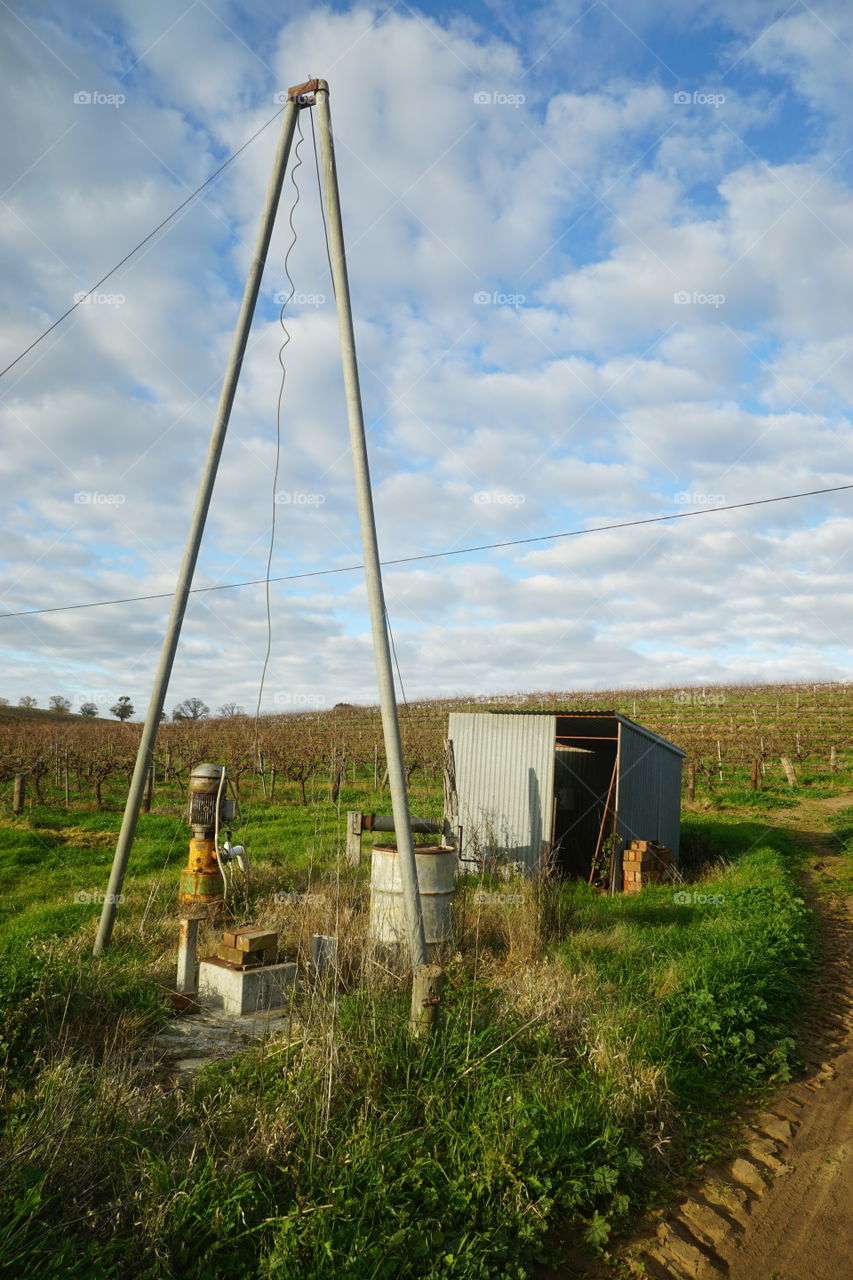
(205, 491)
(385, 822)
(370, 551)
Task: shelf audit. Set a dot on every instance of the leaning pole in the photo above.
(205, 492)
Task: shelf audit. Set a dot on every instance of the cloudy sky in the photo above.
(601, 261)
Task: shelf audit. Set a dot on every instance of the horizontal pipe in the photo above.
(385, 822)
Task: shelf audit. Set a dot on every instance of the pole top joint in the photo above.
(303, 94)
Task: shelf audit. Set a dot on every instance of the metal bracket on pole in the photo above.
(367, 520)
(199, 517)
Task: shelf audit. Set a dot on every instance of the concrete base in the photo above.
(244, 990)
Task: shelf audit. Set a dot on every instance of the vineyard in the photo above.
(732, 734)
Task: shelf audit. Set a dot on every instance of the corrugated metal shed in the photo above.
(505, 783)
(554, 783)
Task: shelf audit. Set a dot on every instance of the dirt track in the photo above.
(782, 1208)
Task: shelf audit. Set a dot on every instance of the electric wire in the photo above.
(83, 297)
(434, 555)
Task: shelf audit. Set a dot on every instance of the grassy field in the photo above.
(593, 1050)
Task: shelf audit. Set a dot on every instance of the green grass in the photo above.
(592, 1049)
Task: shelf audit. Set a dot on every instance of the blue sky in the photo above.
(601, 268)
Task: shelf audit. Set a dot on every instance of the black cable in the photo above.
(437, 555)
(136, 249)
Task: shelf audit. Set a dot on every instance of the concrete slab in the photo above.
(245, 990)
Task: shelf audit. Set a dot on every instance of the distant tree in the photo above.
(58, 703)
(27, 702)
(123, 709)
(88, 709)
(191, 709)
(229, 709)
(4, 702)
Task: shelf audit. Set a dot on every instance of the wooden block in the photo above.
(247, 959)
(231, 955)
(255, 939)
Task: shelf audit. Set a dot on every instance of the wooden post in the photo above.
(753, 774)
(65, 774)
(720, 760)
(20, 794)
(272, 783)
(790, 773)
(833, 763)
(691, 782)
(149, 788)
(354, 829)
(427, 988)
(187, 979)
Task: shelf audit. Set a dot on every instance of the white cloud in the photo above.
(580, 392)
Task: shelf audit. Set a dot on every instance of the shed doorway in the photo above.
(584, 803)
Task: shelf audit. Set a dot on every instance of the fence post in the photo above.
(149, 788)
(354, 829)
(20, 794)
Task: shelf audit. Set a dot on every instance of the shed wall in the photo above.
(648, 795)
(505, 783)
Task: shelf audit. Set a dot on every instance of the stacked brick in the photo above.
(645, 862)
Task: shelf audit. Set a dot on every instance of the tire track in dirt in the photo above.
(782, 1209)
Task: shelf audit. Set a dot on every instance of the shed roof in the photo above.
(584, 713)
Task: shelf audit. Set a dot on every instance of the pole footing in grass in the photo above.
(427, 989)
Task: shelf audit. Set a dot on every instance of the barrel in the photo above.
(436, 868)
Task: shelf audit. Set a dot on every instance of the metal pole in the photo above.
(370, 550)
(205, 491)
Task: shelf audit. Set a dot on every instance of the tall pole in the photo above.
(199, 517)
(370, 550)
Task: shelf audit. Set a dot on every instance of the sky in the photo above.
(601, 267)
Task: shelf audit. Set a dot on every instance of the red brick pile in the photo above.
(645, 862)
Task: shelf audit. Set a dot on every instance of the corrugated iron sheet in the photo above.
(505, 782)
(648, 792)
